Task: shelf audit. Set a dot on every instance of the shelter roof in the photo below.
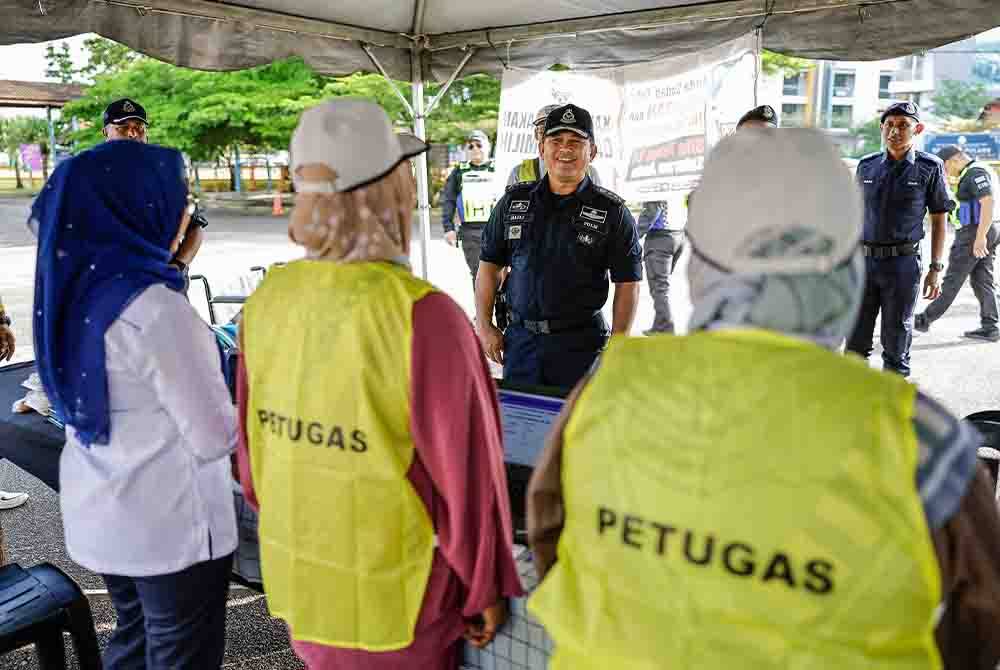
(37, 93)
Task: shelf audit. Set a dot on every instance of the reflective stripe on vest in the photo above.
(478, 192)
(346, 543)
(955, 218)
(760, 511)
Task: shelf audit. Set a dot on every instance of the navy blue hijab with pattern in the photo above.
(105, 222)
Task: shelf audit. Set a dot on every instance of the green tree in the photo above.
(959, 100)
(24, 130)
(59, 63)
(106, 57)
(775, 63)
(870, 135)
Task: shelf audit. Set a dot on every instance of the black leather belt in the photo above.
(891, 250)
(550, 326)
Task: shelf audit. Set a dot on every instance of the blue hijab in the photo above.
(105, 221)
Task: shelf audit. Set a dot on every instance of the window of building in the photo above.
(793, 116)
(841, 116)
(843, 85)
(795, 84)
(884, 80)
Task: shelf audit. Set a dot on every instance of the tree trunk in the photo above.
(17, 175)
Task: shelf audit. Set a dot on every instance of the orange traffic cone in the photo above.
(277, 207)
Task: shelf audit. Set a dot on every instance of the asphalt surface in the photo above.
(959, 372)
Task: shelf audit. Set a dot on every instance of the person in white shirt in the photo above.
(145, 473)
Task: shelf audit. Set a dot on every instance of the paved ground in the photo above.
(961, 373)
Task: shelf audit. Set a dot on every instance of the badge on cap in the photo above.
(768, 113)
(909, 108)
(128, 107)
(568, 116)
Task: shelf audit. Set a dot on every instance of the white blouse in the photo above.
(157, 498)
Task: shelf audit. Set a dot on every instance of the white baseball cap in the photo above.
(354, 138)
(775, 201)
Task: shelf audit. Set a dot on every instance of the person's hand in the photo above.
(451, 238)
(932, 285)
(492, 341)
(979, 249)
(481, 633)
(6, 343)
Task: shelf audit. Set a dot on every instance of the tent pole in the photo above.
(423, 194)
(392, 84)
(451, 80)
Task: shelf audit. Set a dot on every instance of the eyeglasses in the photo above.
(475, 145)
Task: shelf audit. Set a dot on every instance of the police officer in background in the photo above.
(759, 117)
(561, 236)
(469, 192)
(973, 252)
(125, 119)
(532, 169)
(899, 185)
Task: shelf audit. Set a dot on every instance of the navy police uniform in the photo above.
(561, 251)
(897, 193)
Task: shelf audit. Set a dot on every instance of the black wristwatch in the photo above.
(937, 266)
(4, 319)
(180, 265)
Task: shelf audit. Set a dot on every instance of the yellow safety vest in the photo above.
(478, 192)
(758, 512)
(528, 170)
(346, 543)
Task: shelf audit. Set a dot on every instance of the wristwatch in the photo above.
(180, 265)
(4, 320)
(937, 266)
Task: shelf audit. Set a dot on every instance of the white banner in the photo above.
(654, 122)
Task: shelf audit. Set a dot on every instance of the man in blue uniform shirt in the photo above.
(563, 238)
(973, 253)
(899, 186)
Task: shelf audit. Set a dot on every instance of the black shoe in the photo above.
(988, 334)
(921, 323)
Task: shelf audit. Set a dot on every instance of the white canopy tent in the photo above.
(417, 40)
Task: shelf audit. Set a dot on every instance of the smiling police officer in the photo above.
(899, 184)
(561, 236)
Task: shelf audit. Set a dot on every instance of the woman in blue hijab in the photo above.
(134, 372)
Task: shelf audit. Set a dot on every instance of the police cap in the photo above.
(948, 151)
(763, 113)
(902, 109)
(123, 110)
(572, 118)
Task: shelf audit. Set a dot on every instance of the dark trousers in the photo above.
(471, 237)
(962, 265)
(170, 622)
(891, 287)
(660, 253)
(557, 359)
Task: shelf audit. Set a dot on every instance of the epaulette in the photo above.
(617, 199)
(930, 157)
(521, 184)
(869, 157)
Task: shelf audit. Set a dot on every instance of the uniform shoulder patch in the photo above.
(618, 200)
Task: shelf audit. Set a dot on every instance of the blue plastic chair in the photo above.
(37, 606)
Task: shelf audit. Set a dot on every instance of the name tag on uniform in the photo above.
(514, 232)
(519, 205)
(869, 181)
(593, 214)
(913, 183)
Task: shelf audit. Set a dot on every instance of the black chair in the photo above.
(988, 423)
(37, 606)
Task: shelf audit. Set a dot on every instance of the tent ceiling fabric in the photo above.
(223, 35)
